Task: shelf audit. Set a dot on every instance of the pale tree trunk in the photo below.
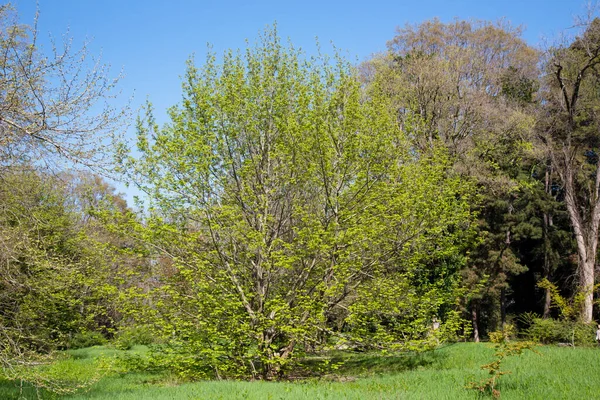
(587, 282)
(586, 252)
(586, 236)
(475, 323)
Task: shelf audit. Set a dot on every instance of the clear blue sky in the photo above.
(151, 40)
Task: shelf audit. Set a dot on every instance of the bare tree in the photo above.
(53, 107)
(571, 131)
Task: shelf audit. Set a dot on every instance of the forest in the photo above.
(446, 190)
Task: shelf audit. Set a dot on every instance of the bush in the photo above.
(585, 334)
(134, 335)
(86, 339)
(554, 331)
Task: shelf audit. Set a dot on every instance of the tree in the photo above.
(570, 131)
(60, 272)
(278, 190)
(469, 86)
(53, 107)
(451, 77)
(57, 276)
(53, 110)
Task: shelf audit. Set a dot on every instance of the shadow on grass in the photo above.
(11, 390)
(347, 364)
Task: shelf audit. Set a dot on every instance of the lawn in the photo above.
(555, 373)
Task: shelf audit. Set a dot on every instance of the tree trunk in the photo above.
(507, 242)
(586, 251)
(547, 268)
(547, 304)
(547, 222)
(587, 283)
(475, 324)
(586, 236)
(502, 308)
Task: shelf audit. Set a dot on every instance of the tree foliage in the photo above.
(289, 197)
(296, 204)
(57, 267)
(469, 86)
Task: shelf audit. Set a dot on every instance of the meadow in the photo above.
(554, 373)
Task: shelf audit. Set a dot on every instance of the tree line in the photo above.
(438, 191)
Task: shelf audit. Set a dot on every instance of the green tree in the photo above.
(57, 275)
(468, 86)
(277, 191)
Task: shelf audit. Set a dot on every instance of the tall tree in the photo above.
(282, 189)
(469, 85)
(452, 76)
(570, 126)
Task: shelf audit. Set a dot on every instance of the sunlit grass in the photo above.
(557, 373)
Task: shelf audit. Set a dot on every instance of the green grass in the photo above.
(558, 373)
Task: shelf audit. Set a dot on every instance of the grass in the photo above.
(558, 373)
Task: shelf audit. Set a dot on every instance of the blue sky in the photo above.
(151, 40)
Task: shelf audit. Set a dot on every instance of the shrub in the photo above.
(554, 331)
(134, 335)
(503, 335)
(505, 348)
(86, 339)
